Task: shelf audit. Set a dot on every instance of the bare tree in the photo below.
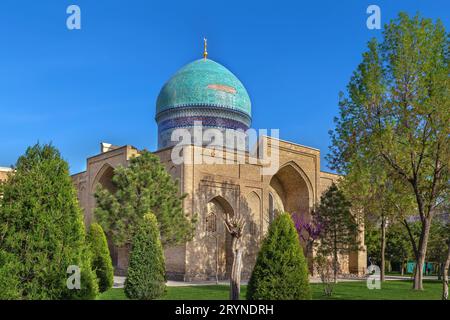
(235, 226)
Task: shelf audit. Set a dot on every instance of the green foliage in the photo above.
(394, 119)
(9, 281)
(101, 259)
(281, 271)
(41, 226)
(146, 271)
(398, 244)
(372, 242)
(339, 228)
(439, 237)
(144, 186)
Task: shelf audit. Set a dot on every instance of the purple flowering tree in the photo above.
(308, 230)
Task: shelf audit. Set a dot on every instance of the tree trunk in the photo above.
(445, 275)
(439, 273)
(217, 260)
(335, 256)
(235, 279)
(383, 247)
(335, 266)
(418, 274)
(422, 250)
(235, 227)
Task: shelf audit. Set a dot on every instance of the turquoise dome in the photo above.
(202, 92)
(204, 82)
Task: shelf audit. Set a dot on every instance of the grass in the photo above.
(390, 290)
(209, 292)
(355, 290)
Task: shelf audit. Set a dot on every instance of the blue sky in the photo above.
(78, 88)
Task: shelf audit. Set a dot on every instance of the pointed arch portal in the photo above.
(292, 192)
(221, 254)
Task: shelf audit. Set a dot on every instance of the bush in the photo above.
(101, 259)
(88, 280)
(281, 271)
(146, 270)
(324, 267)
(42, 227)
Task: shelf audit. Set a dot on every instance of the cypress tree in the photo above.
(42, 227)
(146, 271)
(281, 271)
(101, 259)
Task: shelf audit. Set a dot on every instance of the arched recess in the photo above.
(104, 178)
(220, 255)
(251, 211)
(293, 189)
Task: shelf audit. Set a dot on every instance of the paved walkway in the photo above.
(119, 281)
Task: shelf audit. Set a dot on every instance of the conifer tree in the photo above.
(146, 271)
(339, 229)
(9, 281)
(101, 259)
(281, 271)
(42, 229)
(144, 186)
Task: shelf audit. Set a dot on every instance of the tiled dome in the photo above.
(206, 91)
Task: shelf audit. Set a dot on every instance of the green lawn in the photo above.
(356, 290)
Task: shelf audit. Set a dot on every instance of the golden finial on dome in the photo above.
(205, 48)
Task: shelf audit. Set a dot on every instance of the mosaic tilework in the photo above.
(214, 122)
(204, 82)
(205, 111)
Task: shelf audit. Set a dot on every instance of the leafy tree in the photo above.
(437, 250)
(41, 228)
(398, 247)
(339, 228)
(377, 197)
(281, 271)
(101, 259)
(372, 242)
(396, 110)
(144, 186)
(146, 271)
(308, 230)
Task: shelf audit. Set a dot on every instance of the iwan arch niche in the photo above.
(291, 190)
(218, 240)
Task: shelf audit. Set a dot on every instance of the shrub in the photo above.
(281, 271)
(324, 266)
(101, 259)
(42, 227)
(146, 270)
